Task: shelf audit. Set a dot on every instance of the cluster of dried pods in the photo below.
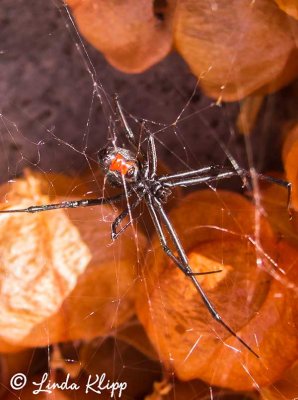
(113, 306)
(235, 48)
(63, 281)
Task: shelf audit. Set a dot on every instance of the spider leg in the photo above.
(128, 132)
(188, 174)
(130, 136)
(201, 179)
(67, 204)
(165, 246)
(151, 156)
(121, 217)
(188, 180)
(280, 182)
(186, 269)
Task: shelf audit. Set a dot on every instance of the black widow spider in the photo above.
(137, 175)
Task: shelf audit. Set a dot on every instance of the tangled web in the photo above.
(57, 111)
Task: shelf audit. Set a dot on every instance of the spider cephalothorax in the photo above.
(160, 191)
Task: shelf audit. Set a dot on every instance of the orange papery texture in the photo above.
(255, 294)
(127, 32)
(285, 388)
(290, 157)
(235, 48)
(289, 6)
(62, 278)
(273, 200)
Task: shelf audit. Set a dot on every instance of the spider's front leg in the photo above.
(216, 173)
(67, 204)
(130, 136)
(128, 131)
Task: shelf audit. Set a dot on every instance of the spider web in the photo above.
(56, 112)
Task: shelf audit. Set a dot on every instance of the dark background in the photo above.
(46, 91)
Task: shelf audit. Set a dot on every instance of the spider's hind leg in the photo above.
(166, 248)
(184, 265)
(121, 217)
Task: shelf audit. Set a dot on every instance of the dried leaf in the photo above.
(252, 294)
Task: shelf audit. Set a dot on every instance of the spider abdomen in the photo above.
(118, 164)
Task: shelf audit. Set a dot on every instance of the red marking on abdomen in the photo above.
(120, 164)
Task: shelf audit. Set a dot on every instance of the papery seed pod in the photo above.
(224, 231)
(285, 388)
(289, 156)
(234, 48)
(130, 34)
(237, 48)
(289, 6)
(284, 222)
(61, 277)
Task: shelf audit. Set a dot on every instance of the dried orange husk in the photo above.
(41, 258)
(234, 48)
(286, 388)
(274, 201)
(128, 33)
(249, 111)
(224, 231)
(290, 156)
(289, 6)
(237, 48)
(62, 279)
